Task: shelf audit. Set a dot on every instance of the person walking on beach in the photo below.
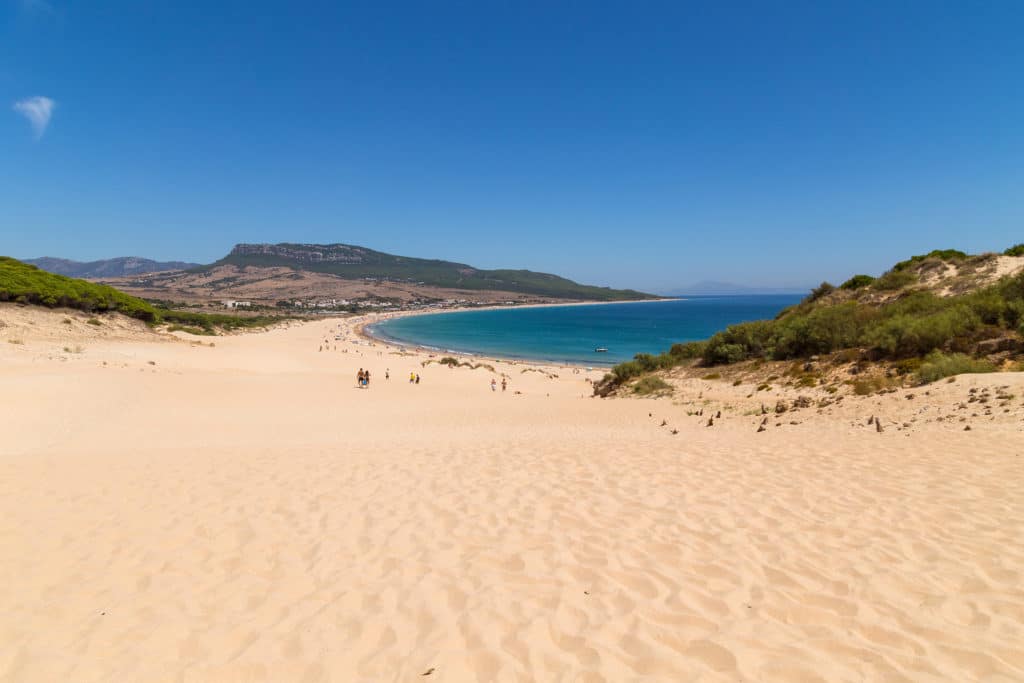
(359, 378)
(366, 379)
(412, 377)
(387, 373)
(417, 379)
(504, 384)
(494, 385)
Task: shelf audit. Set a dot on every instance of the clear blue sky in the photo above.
(634, 144)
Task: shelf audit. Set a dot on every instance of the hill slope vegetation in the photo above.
(27, 284)
(353, 262)
(944, 306)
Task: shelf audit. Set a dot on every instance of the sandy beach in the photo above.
(235, 509)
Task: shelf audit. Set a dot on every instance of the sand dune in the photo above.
(242, 512)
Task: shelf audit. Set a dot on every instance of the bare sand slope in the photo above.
(243, 513)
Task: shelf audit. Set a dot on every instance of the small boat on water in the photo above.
(600, 349)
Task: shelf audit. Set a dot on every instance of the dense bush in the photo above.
(1015, 250)
(894, 279)
(940, 254)
(209, 322)
(819, 331)
(688, 350)
(902, 336)
(739, 342)
(821, 290)
(937, 365)
(857, 282)
(652, 384)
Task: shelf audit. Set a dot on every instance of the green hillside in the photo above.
(26, 284)
(941, 305)
(353, 262)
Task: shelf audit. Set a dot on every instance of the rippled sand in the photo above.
(244, 513)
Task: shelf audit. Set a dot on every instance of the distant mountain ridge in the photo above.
(354, 262)
(715, 288)
(122, 266)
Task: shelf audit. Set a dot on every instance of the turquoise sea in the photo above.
(571, 333)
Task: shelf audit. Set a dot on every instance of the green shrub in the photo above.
(1015, 250)
(865, 387)
(688, 350)
(712, 375)
(819, 331)
(198, 331)
(1013, 314)
(857, 282)
(726, 353)
(904, 335)
(894, 279)
(937, 365)
(907, 366)
(988, 305)
(940, 254)
(652, 384)
(625, 371)
(824, 289)
(739, 342)
(647, 362)
(210, 322)
(94, 321)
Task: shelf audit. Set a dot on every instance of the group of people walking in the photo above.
(363, 379)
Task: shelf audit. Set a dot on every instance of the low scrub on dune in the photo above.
(894, 279)
(652, 385)
(937, 365)
(26, 284)
(858, 282)
(209, 323)
(913, 324)
(909, 324)
(456, 363)
(198, 331)
(947, 255)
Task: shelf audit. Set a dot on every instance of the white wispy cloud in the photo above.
(38, 111)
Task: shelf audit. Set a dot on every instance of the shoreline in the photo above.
(361, 331)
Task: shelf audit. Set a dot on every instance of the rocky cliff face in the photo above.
(305, 253)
